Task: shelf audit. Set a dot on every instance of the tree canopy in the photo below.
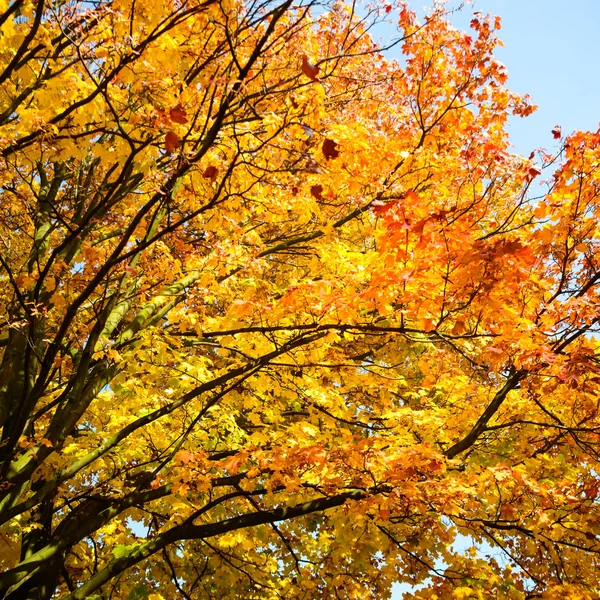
(281, 317)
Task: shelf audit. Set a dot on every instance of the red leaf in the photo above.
(419, 226)
(317, 191)
(330, 149)
(172, 141)
(211, 172)
(379, 207)
(532, 173)
(310, 70)
(178, 114)
(388, 8)
(556, 132)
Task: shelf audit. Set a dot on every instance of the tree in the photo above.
(280, 317)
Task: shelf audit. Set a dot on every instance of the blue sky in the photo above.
(551, 49)
(552, 52)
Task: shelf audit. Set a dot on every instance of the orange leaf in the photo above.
(310, 70)
(172, 142)
(178, 114)
(185, 456)
(459, 326)
(419, 226)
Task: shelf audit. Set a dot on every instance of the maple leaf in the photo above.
(184, 456)
(172, 142)
(532, 173)
(178, 114)
(211, 172)
(419, 226)
(317, 191)
(58, 300)
(380, 208)
(384, 514)
(309, 69)
(557, 132)
(329, 149)
(459, 326)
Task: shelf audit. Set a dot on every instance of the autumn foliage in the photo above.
(281, 317)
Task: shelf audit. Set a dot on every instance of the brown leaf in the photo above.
(178, 115)
(172, 141)
(317, 191)
(509, 247)
(330, 150)
(211, 172)
(310, 70)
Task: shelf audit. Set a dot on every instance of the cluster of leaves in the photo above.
(279, 317)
